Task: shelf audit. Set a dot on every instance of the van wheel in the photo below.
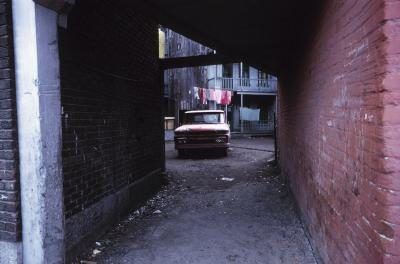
(224, 152)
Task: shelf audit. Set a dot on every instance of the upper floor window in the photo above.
(262, 75)
(244, 71)
(227, 70)
(262, 79)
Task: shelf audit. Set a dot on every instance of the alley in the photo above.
(88, 90)
(214, 210)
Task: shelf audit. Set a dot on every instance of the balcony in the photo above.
(244, 84)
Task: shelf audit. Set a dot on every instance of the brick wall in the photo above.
(10, 221)
(339, 131)
(389, 179)
(111, 99)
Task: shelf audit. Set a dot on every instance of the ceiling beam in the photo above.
(210, 59)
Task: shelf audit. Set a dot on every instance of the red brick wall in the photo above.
(389, 179)
(111, 99)
(10, 218)
(339, 131)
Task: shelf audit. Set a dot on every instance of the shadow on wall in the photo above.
(111, 115)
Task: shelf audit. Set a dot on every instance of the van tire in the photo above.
(224, 152)
(181, 153)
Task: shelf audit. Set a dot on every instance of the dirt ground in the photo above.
(214, 210)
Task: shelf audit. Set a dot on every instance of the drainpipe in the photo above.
(241, 106)
(216, 74)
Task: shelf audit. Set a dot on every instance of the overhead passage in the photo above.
(266, 34)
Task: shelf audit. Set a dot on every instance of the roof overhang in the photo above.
(60, 6)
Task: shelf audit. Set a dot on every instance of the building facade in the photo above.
(178, 83)
(254, 93)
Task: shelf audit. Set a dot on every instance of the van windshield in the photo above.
(204, 118)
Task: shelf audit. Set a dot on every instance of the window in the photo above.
(245, 72)
(201, 118)
(227, 70)
(262, 75)
(262, 79)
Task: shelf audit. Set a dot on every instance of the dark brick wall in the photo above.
(10, 221)
(111, 99)
(339, 131)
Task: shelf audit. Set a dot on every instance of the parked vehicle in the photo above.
(203, 129)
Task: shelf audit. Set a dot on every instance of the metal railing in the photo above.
(257, 126)
(244, 84)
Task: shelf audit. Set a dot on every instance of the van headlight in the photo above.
(181, 140)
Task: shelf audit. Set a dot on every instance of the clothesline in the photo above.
(220, 96)
(215, 88)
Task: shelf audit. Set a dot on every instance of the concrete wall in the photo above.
(339, 130)
(112, 114)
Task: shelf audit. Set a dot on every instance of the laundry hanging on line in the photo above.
(248, 114)
(226, 97)
(196, 93)
(203, 96)
(212, 95)
(220, 96)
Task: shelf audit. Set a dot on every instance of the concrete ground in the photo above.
(214, 210)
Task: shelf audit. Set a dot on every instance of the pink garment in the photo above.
(223, 97)
(199, 93)
(211, 95)
(203, 96)
(218, 96)
(226, 97)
